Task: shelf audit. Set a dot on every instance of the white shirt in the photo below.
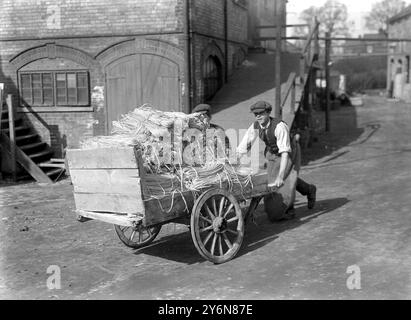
(281, 133)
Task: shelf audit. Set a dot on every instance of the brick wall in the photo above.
(209, 19)
(401, 50)
(39, 18)
(89, 31)
(208, 38)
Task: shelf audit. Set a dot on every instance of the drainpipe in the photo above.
(188, 54)
(226, 40)
(279, 23)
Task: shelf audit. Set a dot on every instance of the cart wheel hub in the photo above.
(219, 224)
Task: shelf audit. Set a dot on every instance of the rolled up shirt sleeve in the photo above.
(282, 134)
(247, 140)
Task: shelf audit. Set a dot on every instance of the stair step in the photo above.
(32, 145)
(5, 122)
(17, 129)
(27, 136)
(53, 172)
(41, 154)
(51, 164)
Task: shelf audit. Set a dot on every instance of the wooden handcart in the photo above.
(109, 185)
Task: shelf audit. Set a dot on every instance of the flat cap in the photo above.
(261, 106)
(202, 108)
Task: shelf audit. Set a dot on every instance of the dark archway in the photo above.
(212, 76)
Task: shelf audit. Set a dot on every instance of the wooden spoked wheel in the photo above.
(217, 226)
(137, 237)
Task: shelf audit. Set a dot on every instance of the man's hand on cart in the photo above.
(278, 183)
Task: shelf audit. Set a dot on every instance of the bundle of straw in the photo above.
(144, 127)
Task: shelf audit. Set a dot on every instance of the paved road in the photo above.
(362, 219)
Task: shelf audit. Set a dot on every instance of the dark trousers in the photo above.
(302, 187)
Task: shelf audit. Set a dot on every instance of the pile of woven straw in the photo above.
(143, 128)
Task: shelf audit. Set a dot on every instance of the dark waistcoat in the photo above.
(268, 135)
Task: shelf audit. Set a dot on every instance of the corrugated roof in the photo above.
(403, 14)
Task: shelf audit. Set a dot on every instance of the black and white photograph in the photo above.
(219, 152)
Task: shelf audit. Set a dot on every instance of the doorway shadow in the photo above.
(180, 247)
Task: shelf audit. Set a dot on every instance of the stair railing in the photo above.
(311, 49)
(1, 102)
(12, 136)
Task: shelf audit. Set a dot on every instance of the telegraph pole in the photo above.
(327, 81)
(279, 24)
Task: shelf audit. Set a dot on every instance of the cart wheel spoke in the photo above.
(232, 231)
(221, 207)
(220, 246)
(206, 220)
(209, 211)
(214, 207)
(209, 228)
(232, 219)
(132, 235)
(210, 234)
(228, 210)
(227, 241)
(213, 243)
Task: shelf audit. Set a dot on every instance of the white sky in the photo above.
(357, 9)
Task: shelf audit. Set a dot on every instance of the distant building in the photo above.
(398, 72)
(358, 47)
(262, 14)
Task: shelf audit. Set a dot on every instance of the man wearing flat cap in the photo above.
(278, 151)
(205, 116)
(205, 111)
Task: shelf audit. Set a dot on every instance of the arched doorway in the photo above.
(212, 76)
(138, 79)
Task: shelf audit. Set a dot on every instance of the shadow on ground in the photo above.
(344, 131)
(180, 247)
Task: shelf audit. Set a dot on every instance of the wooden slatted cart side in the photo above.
(107, 184)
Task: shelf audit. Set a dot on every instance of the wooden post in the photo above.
(316, 38)
(1, 102)
(292, 107)
(188, 57)
(12, 137)
(327, 81)
(1, 116)
(279, 23)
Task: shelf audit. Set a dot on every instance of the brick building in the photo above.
(367, 46)
(263, 15)
(74, 66)
(398, 73)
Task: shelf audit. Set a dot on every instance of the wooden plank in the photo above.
(25, 161)
(12, 135)
(103, 202)
(102, 158)
(121, 220)
(1, 102)
(167, 209)
(110, 181)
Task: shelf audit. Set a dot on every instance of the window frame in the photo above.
(55, 103)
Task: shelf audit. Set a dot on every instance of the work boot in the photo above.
(311, 197)
(289, 214)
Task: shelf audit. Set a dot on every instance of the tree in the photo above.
(381, 11)
(332, 17)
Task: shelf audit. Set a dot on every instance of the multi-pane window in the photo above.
(57, 88)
